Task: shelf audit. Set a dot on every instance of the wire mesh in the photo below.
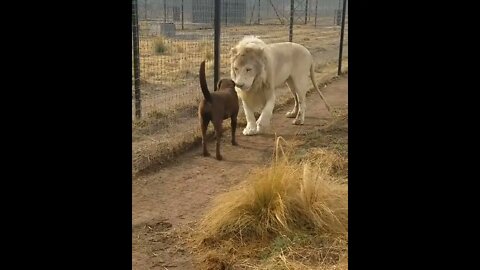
(175, 36)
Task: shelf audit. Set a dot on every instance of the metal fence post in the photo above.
(306, 11)
(316, 5)
(226, 12)
(341, 38)
(164, 11)
(258, 12)
(145, 5)
(182, 14)
(216, 50)
(136, 59)
(290, 34)
(338, 14)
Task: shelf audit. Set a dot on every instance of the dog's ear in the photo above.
(227, 81)
(220, 84)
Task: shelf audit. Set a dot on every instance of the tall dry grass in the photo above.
(283, 198)
(302, 205)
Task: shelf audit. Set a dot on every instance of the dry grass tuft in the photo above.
(160, 46)
(329, 162)
(290, 215)
(283, 198)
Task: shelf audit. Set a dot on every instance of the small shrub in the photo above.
(209, 55)
(160, 46)
(179, 48)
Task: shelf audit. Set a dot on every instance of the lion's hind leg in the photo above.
(293, 113)
(301, 86)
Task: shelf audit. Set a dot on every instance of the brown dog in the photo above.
(216, 107)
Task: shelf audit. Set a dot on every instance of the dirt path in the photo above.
(177, 195)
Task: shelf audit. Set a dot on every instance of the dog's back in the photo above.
(223, 102)
(226, 99)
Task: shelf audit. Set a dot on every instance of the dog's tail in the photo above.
(203, 83)
(312, 75)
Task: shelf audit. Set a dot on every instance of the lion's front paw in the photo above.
(291, 114)
(262, 129)
(298, 121)
(250, 130)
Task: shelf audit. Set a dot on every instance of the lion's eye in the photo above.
(248, 69)
(236, 69)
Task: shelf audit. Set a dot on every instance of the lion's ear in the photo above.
(254, 50)
(233, 51)
(260, 51)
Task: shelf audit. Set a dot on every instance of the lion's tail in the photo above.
(312, 75)
(203, 83)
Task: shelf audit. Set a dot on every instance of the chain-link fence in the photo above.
(174, 37)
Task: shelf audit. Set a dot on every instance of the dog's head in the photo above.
(226, 84)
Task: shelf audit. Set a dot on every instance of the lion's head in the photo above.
(248, 63)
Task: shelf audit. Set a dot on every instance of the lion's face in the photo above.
(246, 66)
(245, 74)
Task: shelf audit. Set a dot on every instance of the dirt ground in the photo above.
(167, 202)
(169, 81)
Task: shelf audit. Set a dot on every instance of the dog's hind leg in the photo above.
(217, 124)
(233, 122)
(294, 112)
(204, 124)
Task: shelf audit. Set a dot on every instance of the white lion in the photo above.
(257, 69)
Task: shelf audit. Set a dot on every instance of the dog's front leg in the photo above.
(251, 128)
(263, 121)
